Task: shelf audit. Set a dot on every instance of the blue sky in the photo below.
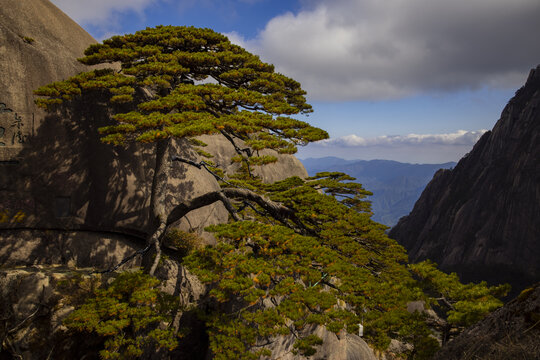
(413, 81)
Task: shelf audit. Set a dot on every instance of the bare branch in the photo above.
(238, 150)
(200, 165)
(446, 302)
(181, 210)
(24, 322)
(276, 210)
(125, 260)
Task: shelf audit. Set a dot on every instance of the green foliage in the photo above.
(525, 294)
(131, 313)
(76, 288)
(329, 265)
(306, 345)
(160, 80)
(464, 304)
(283, 278)
(416, 332)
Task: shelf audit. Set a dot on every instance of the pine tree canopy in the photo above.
(184, 82)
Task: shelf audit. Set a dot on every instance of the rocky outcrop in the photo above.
(482, 219)
(84, 249)
(34, 303)
(511, 332)
(342, 346)
(223, 151)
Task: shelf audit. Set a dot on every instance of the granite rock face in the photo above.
(35, 300)
(342, 346)
(39, 44)
(482, 219)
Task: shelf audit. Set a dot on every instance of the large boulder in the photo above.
(39, 44)
(482, 218)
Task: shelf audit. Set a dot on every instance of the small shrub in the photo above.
(525, 294)
(28, 40)
(185, 242)
(306, 345)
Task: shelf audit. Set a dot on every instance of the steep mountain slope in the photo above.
(395, 186)
(482, 219)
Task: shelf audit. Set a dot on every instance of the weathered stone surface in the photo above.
(396, 349)
(223, 151)
(482, 219)
(36, 299)
(76, 249)
(511, 332)
(39, 44)
(342, 346)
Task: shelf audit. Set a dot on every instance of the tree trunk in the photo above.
(158, 213)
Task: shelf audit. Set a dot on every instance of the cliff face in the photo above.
(482, 219)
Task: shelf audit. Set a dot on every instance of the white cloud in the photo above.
(460, 137)
(372, 49)
(418, 148)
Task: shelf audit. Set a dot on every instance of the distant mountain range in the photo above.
(395, 186)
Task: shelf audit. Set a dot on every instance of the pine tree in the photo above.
(181, 82)
(296, 254)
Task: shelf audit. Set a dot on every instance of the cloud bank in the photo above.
(419, 148)
(460, 137)
(376, 50)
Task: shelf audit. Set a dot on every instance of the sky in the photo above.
(416, 81)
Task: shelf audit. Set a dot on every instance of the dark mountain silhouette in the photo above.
(482, 219)
(395, 185)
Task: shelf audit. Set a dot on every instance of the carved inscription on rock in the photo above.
(15, 130)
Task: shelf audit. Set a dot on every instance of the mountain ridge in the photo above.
(395, 185)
